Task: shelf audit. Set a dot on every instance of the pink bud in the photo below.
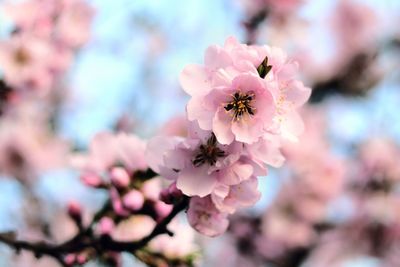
(106, 226)
(133, 200)
(117, 203)
(162, 209)
(74, 210)
(81, 259)
(91, 179)
(165, 196)
(171, 194)
(70, 259)
(174, 191)
(119, 177)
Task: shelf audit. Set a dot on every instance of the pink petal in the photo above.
(297, 93)
(196, 111)
(268, 151)
(194, 181)
(156, 149)
(246, 192)
(292, 126)
(222, 127)
(131, 151)
(205, 218)
(236, 173)
(215, 58)
(194, 80)
(247, 131)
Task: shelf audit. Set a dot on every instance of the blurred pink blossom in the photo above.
(205, 218)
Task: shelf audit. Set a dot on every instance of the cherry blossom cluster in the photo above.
(34, 58)
(44, 38)
(244, 103)
(28, 147)
(116, 163)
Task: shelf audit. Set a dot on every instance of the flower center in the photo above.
(21, 56)
(241, 105)
(208, 153)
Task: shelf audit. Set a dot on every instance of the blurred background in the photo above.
(336, 200)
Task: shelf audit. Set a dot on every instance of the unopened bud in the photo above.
(75, 210)
(106, 226)
(81, 258)
(119, 177)
(133, 200)
(171, 194)
(165, 196)
(70, 259)
(162, 209)
(174, 191)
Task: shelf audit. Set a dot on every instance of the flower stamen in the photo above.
(208, 153)
(241, 105)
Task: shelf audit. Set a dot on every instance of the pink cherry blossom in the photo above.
(33, 16)
(27, 147)
(199, 166)
(205, 217)
(26, 62)
(66, 21)
(355, 25)
(107, 149)
(73, 24)
(229, 198)
(231, 99)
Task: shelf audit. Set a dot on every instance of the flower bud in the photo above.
(165, 196)
(162, 209)
(81, 258)
(75, 210)
(133, 200)
(171, 194)
(70, 259)
(174, 191)
(119, 177)
(106, 226)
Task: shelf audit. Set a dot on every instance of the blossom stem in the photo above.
(86, 239)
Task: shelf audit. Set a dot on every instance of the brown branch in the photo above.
(253, 23)
(85, 239)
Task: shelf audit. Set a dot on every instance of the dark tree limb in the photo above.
(85, 239)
